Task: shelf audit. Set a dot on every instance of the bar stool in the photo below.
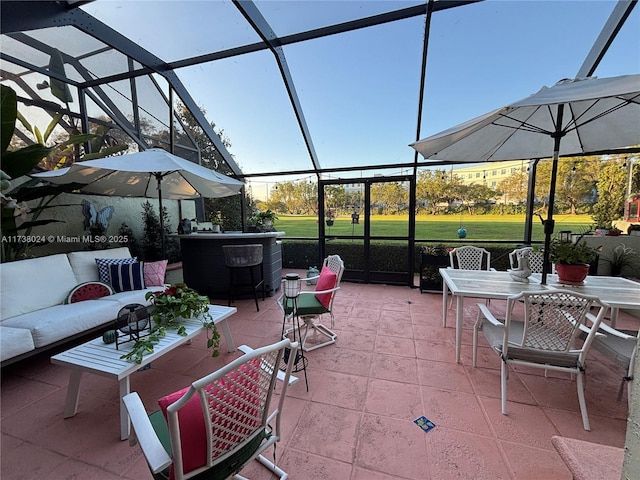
(244, 257)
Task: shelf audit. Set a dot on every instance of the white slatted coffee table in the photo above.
(101, 359)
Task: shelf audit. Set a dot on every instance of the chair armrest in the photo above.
(489, 316)
(314, 292)
(612, 331)
(154, 452)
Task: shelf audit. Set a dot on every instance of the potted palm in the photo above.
(265, 220)
(572, 259)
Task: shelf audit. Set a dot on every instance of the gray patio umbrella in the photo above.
(153, 173)
(574, 117)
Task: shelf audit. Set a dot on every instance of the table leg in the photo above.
(459, 318)
(444, 303)
(614, 317)
(73, 393)
(226, 331)
(125, 422)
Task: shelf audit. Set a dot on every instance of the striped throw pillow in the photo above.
(127, 276)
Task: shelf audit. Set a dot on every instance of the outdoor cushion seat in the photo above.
(307, 305)
(15, 341)
(55, 323)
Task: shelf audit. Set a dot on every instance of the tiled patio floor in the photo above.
(393, 362)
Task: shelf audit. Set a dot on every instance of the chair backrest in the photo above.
(536, 259)
(470, 258)
(553, 319)
(242, 255)
(336, 265)
(234, 404)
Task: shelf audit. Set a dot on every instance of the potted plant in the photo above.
(572, 259)
(619, 258)
(168, 309)
(330, 216)
(216, 222)
(432, 259)
(265, 220)
(252, 224)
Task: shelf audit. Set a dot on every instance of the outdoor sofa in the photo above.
(34, 313)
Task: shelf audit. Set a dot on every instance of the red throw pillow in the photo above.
(89, 291)
(193, 435)
(326, 281)
(228, 397)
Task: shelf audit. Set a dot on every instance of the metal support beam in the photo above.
(262, 28)
(617, 18)
(24, 16)
(423, 75)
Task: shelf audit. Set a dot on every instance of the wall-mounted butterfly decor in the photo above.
(93, 216)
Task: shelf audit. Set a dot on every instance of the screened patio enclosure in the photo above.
(310, 91)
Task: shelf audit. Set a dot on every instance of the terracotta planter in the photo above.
(572, 274)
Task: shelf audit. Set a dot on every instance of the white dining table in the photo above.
(617, 292)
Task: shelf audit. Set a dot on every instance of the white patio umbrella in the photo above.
(574, 117)
(153, 173)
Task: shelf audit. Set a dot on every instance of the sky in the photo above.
(360, 90)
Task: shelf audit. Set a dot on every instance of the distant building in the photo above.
(489, 174)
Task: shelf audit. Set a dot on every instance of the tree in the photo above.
(335, 197)
(228, 208)
(432, 189)
(390, 196)
(307, 192)
(611, 194)
(475, 194)
(514, 187)
(283, 197)
(575, 182)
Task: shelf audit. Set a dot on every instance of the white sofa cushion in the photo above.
(14, 342)
(34, 284)
(84, 263)
(61, 321)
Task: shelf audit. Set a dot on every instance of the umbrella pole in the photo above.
(549, 222)
(159, 180)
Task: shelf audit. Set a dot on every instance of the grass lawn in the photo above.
(434, 227)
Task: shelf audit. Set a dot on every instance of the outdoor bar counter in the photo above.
(203, 264)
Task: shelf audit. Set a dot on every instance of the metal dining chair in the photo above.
(536, 259)
(469, 257)
(546, 338)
